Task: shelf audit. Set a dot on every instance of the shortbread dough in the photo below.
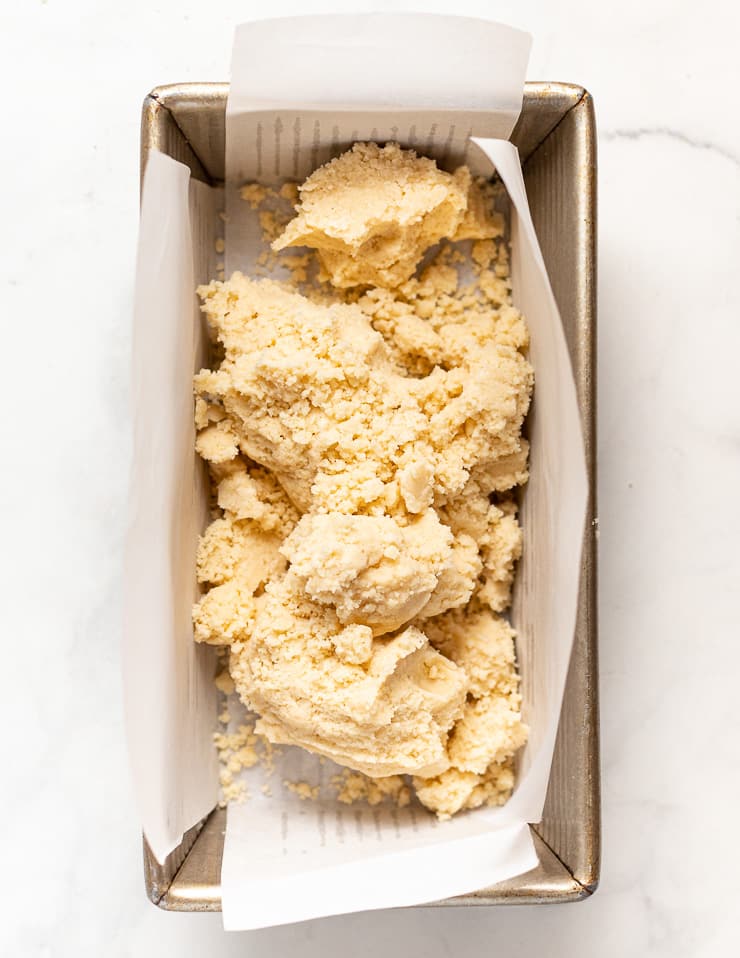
(364, 441)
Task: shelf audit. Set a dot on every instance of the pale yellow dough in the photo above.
(374, 211)
(357, 563)
(386, 716)
(312, 394)
(371, 569)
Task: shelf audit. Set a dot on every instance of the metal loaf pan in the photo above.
(556, 138)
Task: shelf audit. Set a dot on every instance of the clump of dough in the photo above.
(240, 551)
(387, 716)
(490, 730)
(217, 442)
(374, 211)
(458, 580)
(311, 393)
(454, 791)
(308, 389)
(250, 492)
(304, 790)
(354, 787)
(371, 569)
(497, 534)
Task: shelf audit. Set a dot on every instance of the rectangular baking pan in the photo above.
(556, 138)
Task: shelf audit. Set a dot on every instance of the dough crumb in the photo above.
(236, 751)
(303, 790)
(254, 194)
(354, 787)
(373, 212)
(289, 191)
(224, 682)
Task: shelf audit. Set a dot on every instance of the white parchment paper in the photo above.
(168, 680)
(457, 99)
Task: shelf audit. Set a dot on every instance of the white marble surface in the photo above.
(664, 76)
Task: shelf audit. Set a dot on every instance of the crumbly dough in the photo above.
(389, 715)
(236, 751)
(303, 790)
(354, 787)
(374, 211)
(490, 731)
(364, 442)
(312, 393)
(371, 569)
